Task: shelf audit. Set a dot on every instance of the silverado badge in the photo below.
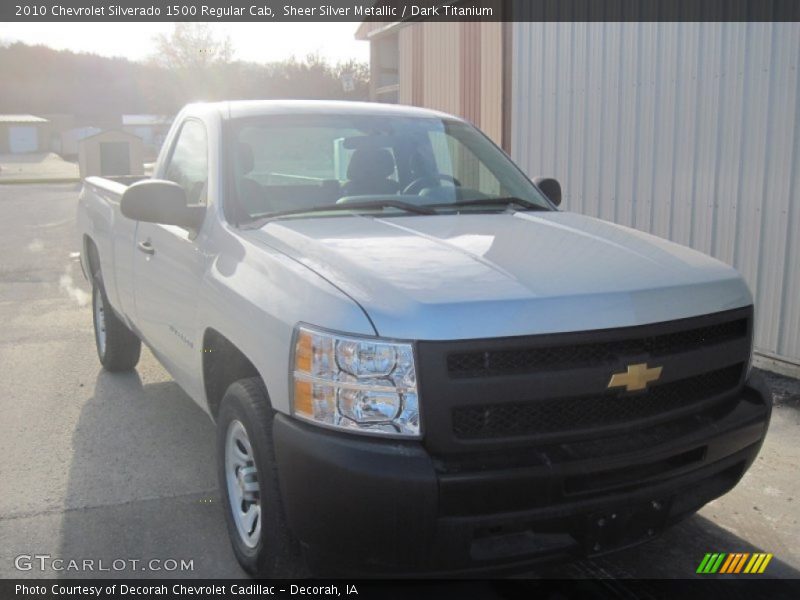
(635, 378)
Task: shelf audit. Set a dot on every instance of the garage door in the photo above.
(23, 139)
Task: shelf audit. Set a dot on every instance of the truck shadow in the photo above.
(142, 485)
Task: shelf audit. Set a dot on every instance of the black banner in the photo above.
(742, 588)
(398, 10)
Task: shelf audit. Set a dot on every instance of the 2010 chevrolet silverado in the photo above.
(416, 363)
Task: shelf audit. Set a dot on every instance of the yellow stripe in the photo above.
(765, 563)
(741, 562)
(727, 563)
(760, 560)
(752, 563)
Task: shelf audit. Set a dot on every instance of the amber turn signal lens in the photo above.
(303, 351)
(303, 400)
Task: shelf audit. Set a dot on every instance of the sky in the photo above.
(253, 42)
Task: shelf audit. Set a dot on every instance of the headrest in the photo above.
(246, 160)
(370, 163)
(420, 167)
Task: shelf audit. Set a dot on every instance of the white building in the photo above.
(152, 129)
(23, 134)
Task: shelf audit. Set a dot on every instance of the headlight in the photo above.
(362, 385)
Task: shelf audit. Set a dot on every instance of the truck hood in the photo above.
(505, 274)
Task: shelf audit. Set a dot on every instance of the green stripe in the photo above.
(701, 568)
(710, 563)
(718, 564)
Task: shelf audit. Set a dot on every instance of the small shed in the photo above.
(111, 154)
(23, 134)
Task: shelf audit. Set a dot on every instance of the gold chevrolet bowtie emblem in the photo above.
(635, 378)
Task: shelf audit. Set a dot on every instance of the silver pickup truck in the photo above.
(416, 363)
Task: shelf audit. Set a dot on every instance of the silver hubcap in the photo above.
(100, 322)
(242, 479)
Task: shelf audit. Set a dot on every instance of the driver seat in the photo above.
(368, 173)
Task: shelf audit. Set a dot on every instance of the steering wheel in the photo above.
(416, 186)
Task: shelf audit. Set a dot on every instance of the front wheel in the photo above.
(118, 348)
(248, 479)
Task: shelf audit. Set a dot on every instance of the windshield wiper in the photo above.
(405, 206)
(508, 201)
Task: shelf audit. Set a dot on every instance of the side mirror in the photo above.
(160, 201)
(550, 188)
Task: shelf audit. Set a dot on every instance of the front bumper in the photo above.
(384, 506)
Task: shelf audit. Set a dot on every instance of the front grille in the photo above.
(528, 392)
(544, 416)
(588, 448)
(492, 363)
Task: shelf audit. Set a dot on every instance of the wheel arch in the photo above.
(223, 364)
(92, 257)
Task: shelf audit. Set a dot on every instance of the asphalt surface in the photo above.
(95, 466)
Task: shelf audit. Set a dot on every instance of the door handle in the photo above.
(146, 247)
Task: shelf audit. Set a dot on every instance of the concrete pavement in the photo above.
(43, 166)
(101, 466)
(92, 464)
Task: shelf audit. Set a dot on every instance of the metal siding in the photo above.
(21, 119)
(665, 138)
(470, 73)
(708, 101)
(457, 68)
(752, 171)
(562, 95)
(729, 147)
(685, 130)
(609, 94)
(645, 122)
(441, 77)
(779, 191)
(405, 63)
(548, 91)
(574, 169)
(593, 123)
(623, 209)
(491, 65)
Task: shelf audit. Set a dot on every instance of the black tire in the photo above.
(122, 347)
(276, 553)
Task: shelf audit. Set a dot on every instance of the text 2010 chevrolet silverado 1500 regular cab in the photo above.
(415, 362)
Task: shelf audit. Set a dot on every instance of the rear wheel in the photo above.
(248, 479)
(118, 348)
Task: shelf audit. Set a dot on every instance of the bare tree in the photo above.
(198, 61)
(192, 47)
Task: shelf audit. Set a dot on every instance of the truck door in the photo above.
(169, 264)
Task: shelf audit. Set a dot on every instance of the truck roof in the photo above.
(253, 108)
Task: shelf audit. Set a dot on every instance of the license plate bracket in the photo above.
(624, 526)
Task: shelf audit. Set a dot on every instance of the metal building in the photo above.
(23, 134)
(453, 67)
(689, 131)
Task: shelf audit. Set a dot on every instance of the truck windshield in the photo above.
(300, 164)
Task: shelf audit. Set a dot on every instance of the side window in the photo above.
(188, 165)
